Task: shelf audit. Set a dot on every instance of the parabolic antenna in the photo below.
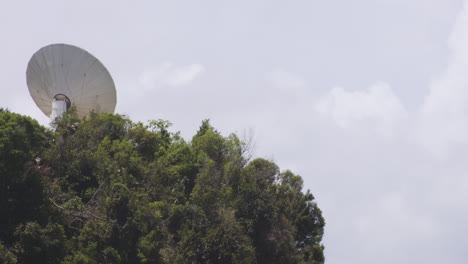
(61, 75)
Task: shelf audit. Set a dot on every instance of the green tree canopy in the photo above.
(105, 189)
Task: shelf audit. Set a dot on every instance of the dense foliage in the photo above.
(108, 190)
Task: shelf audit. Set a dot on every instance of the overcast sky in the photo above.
(365, 99)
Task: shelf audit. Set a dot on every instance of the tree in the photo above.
(107, 190)
(22, 193)
(6, 256)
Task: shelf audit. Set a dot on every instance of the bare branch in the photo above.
(96, 192)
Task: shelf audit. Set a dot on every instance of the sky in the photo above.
(365, 99)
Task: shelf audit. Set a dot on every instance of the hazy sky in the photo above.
(365, 99)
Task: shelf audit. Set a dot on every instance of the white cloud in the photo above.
(286, 80)
(407, 222)
(168, 74)
(443, 118)
(434, 9)
(378, 105)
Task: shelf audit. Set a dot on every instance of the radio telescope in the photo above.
(61, 75)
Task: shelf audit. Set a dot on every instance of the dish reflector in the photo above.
(61, 74)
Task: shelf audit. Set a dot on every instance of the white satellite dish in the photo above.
(60, 75)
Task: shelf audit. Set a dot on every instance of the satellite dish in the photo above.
(61, 75)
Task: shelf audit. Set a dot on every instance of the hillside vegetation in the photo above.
(109, 190)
